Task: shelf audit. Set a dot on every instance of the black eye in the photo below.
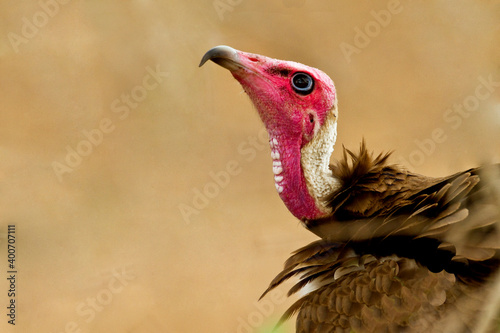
(302, 83)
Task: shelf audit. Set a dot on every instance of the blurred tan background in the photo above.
(115, 146)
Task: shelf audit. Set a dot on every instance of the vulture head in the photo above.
(298, 106)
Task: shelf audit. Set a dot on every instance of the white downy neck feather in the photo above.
(315, 161)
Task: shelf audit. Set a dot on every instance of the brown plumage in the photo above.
(401, 252)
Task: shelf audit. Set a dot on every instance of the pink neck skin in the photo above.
(289, 178)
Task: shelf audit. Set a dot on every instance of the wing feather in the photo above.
(400, 251)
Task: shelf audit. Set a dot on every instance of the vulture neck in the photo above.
(302, 176)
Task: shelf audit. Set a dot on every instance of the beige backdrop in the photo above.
(140, 185)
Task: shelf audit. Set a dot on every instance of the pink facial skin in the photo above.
(267, 82)
(291, 119)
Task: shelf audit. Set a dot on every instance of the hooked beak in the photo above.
(224, 56)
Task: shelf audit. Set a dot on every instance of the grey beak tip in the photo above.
(221, 51)
(204, 60)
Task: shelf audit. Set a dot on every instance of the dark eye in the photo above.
(302, 83)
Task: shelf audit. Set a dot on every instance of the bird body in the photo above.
(398, 251)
